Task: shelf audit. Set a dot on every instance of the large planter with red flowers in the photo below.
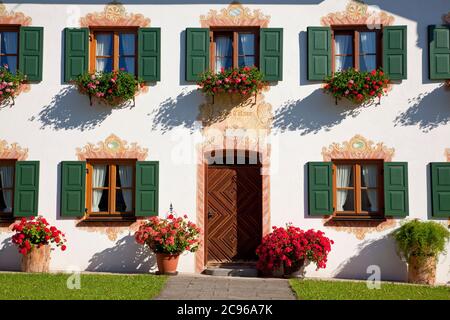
(34, 238)
(109, 88)
(356, 86)
(286, 251)
(168, 238)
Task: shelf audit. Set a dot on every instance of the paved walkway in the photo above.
(198, 287)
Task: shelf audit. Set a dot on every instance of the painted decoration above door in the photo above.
(114, 14)
(234, 15)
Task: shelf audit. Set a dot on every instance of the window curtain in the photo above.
(98, 180)
(126, 179)
(127, 47)
(368, 47)
(224, 53)
(246, 49)
(104, 48)
(6, 180)
(8, 42)
(343, 174)
(343, 45)
(369, 174)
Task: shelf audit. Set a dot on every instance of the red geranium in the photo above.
(290, 247)
(34, 233)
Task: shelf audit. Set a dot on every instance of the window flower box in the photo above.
(356, 86)
(109, 88)
(243, 81)
(10, 84)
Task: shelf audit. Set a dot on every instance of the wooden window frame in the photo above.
(354, 30)
(115, 53)
(12, 28)
(112, 188)
(234, 31)
(358, 213)
(7, 216)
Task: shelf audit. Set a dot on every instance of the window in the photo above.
(113, 50)
(233, 48)
(357, 188)
(9, 53)
(110, 187)
(6, 188)
(358, 48)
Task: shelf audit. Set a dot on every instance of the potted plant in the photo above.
(34, 237)
(420, 244)
(168, 238)
(10, 84)
(290, 249)
(357, 86)
(110, 88)
(244, 81)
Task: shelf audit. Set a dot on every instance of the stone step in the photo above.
(231, 271)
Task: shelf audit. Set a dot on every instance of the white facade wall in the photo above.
(52, 122)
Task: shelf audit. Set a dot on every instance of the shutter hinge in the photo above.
(85, 210)
(87, 170)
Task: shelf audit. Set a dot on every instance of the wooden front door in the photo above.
(233, 213)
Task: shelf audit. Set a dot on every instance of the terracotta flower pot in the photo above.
(167, 263)
(37, 260)
(422, 270)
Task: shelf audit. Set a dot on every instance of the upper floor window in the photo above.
(356, 48)
(110, 187)
(9, 43)
(113, 50)
(6, 188)
(234, 48)
(357, 187)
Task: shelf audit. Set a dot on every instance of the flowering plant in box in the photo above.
(291, 247)
(357, 86)
(10, 84)
(111, 88)
(173, 235)
(245, 80)
(34, 233)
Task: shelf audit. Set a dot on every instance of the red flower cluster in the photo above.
(34, 233)
(357, 86)
(172, 235)
(245, 80)
(291, 247)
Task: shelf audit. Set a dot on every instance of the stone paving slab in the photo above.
(201, 287)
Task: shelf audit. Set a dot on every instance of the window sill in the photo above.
(109, 219)
(355, 218)
(7, 219)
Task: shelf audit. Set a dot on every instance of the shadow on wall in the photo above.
(10, 258)
(381, 253)
(312, 114)
(126, 256)
(70, 110)
(181, 111)
(428, 111)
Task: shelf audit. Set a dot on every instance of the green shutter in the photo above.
(440, 189)
(26, 189)
(396, 189)
(76, 52)
(149, 54)
(73, 192)
(271, 53)
(31, 52)
(319, 53)
(320, 188)
(197, 52)
(395, 52)
(147, 185)
(439, 55)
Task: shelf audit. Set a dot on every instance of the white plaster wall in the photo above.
(52, 129)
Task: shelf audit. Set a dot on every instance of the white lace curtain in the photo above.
(343, 46)
(6, 182)
(369, 174)
(126, 179)
(104, 44)
(343, 175)
(98, 181)
(224, 53)
(246, 49)
(127, 48)
(368, 49)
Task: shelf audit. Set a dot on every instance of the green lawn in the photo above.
(98, 287)
(348, 290)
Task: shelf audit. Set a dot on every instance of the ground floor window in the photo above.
(6, 188)
(110, 187)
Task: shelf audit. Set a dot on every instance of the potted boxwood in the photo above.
(243, 81)
(357, 86)
(420, 244)
(168, 238)
(288, 250)
(109, 88)
(34, 238)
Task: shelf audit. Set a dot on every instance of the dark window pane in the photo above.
(127, 64)
(246, 61)
(369, 201)
(103, 204)
(10, 61)
(343, 44)
(246, 44)
(127, 44)
(8, 42)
